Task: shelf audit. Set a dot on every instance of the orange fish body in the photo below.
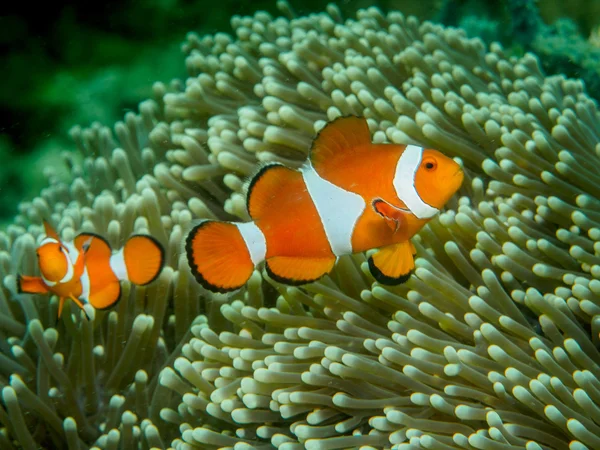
(351, 196)
(87, 271)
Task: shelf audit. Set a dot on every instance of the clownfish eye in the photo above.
(430, 164)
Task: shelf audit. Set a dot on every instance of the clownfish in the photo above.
(86, 270)
(350, 196)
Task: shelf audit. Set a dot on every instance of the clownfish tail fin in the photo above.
(140, 260)
(222, 255)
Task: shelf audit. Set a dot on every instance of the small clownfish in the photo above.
(87, 271)
(350, 196)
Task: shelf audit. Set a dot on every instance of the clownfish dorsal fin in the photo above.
(50, 232)
(269, 179)
(341, 138)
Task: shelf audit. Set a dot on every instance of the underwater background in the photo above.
(492, 344)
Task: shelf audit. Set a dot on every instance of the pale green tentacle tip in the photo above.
(576, 445)
(461, 440)
(69, 425)
(532, 445)
(129, 418)
(35, 328)
(9, 395)
(582, 433)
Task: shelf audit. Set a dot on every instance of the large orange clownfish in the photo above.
(350, 196)
(87, 271)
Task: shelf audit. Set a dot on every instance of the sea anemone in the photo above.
(492, 343)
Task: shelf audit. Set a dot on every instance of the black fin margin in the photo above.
(162, 255)
(96, 236)
(374, 204)
(113, 304)
(19, 290)
(289, 281)
(257, 176)
(383, 278)
(194, 268)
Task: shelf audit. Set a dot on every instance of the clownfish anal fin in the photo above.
(393, 264)
(296, 270)
(31, 285)
(267, 181)
(340, 138)
(393, 215)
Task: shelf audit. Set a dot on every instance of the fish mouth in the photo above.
(457, 179)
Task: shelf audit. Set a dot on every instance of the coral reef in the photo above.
(492, 344)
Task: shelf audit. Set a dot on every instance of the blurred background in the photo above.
(80, 62)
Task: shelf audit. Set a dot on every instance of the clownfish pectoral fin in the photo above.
(218, 255)
(269, 179)
(340, 138)
(31, 285)
(143, 257)
(394, 217)
(296, 270)
(393, 264)
(50, 232)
